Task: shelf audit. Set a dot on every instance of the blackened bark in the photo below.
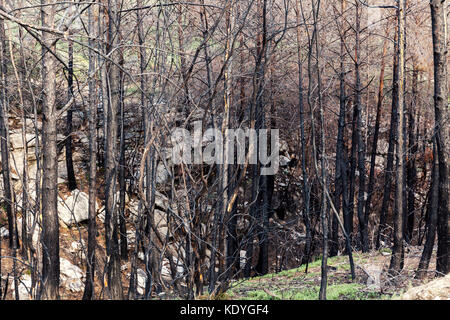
(257, 118)
(4, 136)
(432, 213)
(348, 219)
(321, 153)
(441, 111)
(267, 187)
(232, 243)
(72, 183)
(114, 285)
(371, 183)
(50, 224)
(397, 257)
(382, 228)
(305, 189)
(122, 185)
(411, 171)
(92, 112)
(364, 238)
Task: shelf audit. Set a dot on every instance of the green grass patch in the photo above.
(295, 284)
(343, 291)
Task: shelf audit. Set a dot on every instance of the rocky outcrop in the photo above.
(438, 289)
(71, 276)
(74, 209)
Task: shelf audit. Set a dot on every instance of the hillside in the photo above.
(371, 282)
(224, 149)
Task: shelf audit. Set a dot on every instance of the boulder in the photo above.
(383, 146)
(141, 280)
(162, 174)
(24, 287)
(166, 274)
(242, 258)
(4, 232)
(160, 218)
(31, 195)
(438, 289)
(133, 209)
(17, 164)
(78, 248)
(131, 236)
(284, 161)
(62, 172)
(284, 147)
(74, 209)
(141, 256)
(83, 139)
(30, 125)
(15, 140)
(161, 200)
(36, 231)
(71, 276)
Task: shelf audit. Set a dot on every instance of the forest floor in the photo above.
(371, 282)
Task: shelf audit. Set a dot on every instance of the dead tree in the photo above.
(114, 284)
(397, 258)
(439, 32)
(50, 223)
(92, 112)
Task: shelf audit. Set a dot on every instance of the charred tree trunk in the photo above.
(364, 238)
(72, 183)
(441, 112)
(382, 228)
(432, 213)
(4, 136)
(411, 171)
(50, 224)
(371, 184)
(396, 264)
(352, 175)
(266, 182)
(122, 183)
(305, 189)
(92, 227)
(114, 285)
(258, 119)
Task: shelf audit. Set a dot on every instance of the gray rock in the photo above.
(242, 258)
(15, 140)
(74, 209)
(30, 123)
(437, 289)
(78, 248)
(141, 256)
(141, 280)
(162, 174)
(284, 161)
(36, 231)
(24, 287)
(284, 147)
(161, 200)
(4, 232)
(71, 275)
